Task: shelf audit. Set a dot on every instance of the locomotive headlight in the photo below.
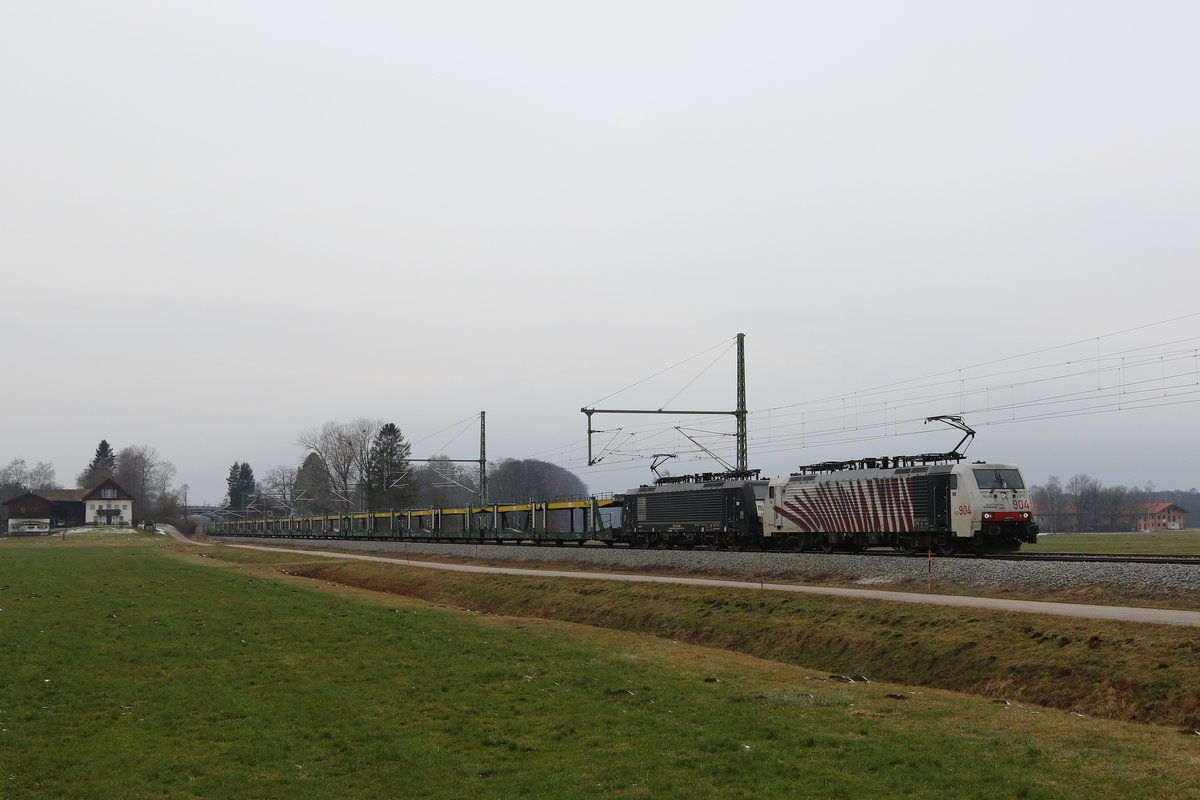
(1024, 515)
(987, 515)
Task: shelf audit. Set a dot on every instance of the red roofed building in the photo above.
(1141, 517)
(1159, 517)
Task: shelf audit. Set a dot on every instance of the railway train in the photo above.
(907, 503)
(904, 503)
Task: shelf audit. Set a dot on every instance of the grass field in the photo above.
(130, 668)
(1156, 542)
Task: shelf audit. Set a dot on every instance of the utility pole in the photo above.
(738, 413)
(481, 461)
(483, 494)
(743, 459)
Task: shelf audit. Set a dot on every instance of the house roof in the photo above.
(61, 495)
(51, 496)
(107, 483)
(74, 495)
(21, 496)
(1160, 508)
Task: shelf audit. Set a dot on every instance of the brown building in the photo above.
(38, 512)
(45, 509)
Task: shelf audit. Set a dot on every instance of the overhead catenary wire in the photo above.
(660, 372)
(1030, 393)
(699, 375)
(469, 419)
(1041, 409)
(810, 419)
(960, 370)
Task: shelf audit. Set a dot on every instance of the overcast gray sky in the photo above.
(277, 214)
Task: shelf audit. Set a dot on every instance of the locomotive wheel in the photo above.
(946, 549)
(826, 546)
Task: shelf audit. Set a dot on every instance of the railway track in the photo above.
(1093, 558)
(1090, 558)
(1100, 558)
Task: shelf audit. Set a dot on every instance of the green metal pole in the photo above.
(483, 493)
(743, 461)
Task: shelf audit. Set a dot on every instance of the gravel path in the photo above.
(866, 570)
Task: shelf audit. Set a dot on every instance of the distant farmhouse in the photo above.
(1142, 517)
(1160, 517)
(45, 509)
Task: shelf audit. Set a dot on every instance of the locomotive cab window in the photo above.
(998, 479)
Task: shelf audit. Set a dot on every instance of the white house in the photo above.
(108, 504)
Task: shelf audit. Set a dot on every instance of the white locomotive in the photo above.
(900, 503)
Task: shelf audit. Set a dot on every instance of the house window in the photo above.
(108, 494)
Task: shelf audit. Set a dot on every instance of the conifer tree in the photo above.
(387, 481)
(241, 485)
(312, 486)
(103, 466)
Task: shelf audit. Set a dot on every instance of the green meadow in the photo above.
(135, 668)
(1165, 542)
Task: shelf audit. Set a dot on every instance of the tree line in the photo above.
(1085, 503)
(367, 464)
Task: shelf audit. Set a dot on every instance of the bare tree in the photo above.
(344, 449)
(1084, 491)
(143, 473)
(280, 484)
(18, 477)
(29, 479)
(1116, 505)
(335, 455)
(1051, 502)
(442, 482)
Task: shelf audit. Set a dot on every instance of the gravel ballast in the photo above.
(862, 569)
